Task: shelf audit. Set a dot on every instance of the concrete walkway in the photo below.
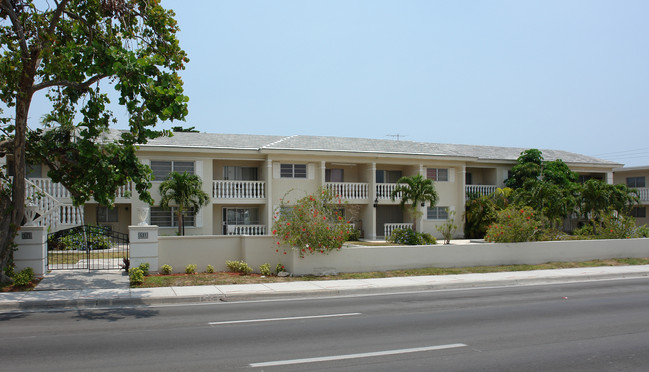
(114, 289)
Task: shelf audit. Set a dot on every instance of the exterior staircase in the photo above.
(44, 207)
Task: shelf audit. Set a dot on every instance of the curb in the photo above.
(128, 299)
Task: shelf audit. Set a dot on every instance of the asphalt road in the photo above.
(590, 326)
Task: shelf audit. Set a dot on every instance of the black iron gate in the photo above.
(88, 248)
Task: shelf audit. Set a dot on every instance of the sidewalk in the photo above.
(104, 297)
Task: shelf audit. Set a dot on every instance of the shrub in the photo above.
(190, 269)
(411, 237)
(135, 275)
(209, 269)
(166, 269)
(265, 269)
(144, 266)
(448, 227)
(279, 268)
(514, 225)
(313, 225)
(618, 227)
(24, 277)
(240, 267)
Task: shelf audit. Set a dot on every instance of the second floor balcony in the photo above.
(222, 189)
(479, 190)
(351, 191)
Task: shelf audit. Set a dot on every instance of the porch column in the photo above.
(269, 196)
(143, 242)
(323, 172)
(32, 249)
(369, 217)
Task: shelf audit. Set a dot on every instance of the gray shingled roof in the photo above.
(362, 145)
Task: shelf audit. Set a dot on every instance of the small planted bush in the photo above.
(166, 269)
(135, 275)
(410, 237)
(144, 266)
(240, 267)
(209, 269)
(190, 269)
(24, 277)
(265, 269)
(279, 268)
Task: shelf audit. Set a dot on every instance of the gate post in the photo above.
(143, 242)
(32, 249)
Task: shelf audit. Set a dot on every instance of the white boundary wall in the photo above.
(256, 250)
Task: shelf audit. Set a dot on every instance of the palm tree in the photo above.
(185, 190)
(416, 191)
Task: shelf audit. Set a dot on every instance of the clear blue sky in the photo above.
(569, 75)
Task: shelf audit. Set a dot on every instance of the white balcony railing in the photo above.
(480, 189)
(643, 193)
(54, 189)
(384, 190)
(239, 189)
(348, 190)
(246, 230)
(388, 228)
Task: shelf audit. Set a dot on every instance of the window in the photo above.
(468, 179)
(292, 170)
(236, 173)
(161, 169)
(334, 175)
(241, 216)
(584, 178)
(167, 217)
(635, 181)
(31, 170)
(105, 214)
(437, 213)
(639, 212)
(437, 174)
(388, 176)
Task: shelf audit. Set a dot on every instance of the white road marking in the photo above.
(280, 319)
(355, 356)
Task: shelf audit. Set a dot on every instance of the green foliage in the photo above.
(613, 225)
(514, 225)
(240, 267)
(166, 269)
(144, 266)
(411, 237)
(209, 269)
(135, 275)
(528, 166)
(597, 197)
(482, 211)
(279, 268)
(190, 269)
(264, 269)
(186, 192)
(448, 227)
(314, 224)
(24, 277)
(415, 191)
(76, 239)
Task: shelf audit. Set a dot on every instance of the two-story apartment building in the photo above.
(247, 176)
(636, 177)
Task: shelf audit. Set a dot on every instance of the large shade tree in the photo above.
(70, 51)
(415, 191)
(185, 193)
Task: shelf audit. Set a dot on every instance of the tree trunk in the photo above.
(11, 222)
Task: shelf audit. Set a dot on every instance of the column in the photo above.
(32, 249)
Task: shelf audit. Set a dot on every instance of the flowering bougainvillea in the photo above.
(514, 225)
(314, 224)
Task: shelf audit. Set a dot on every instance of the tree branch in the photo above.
(70, 84)
(7, 7)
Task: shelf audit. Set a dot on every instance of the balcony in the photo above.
(246, 230)
(238, 189)
(349, 190)
(384, 190)
(57, 191)
(479, 189)
(388, 228)
(643, 193)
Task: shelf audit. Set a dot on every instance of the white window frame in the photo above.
(190, 215)
(437, 213)
(107, 215)
(435, 176)
(178, 166)
(289, 170)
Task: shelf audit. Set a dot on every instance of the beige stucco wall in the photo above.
(256, 250)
